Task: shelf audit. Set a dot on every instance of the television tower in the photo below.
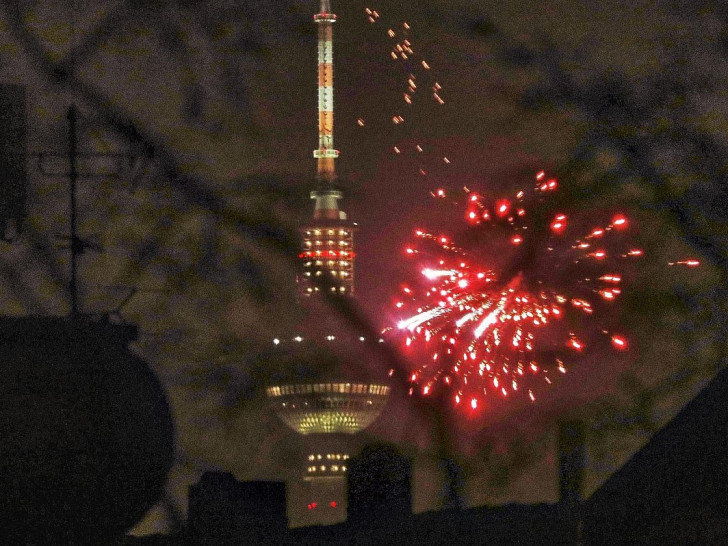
(328, 243)
(325, 410)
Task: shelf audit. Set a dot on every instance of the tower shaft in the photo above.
(325, 154)
(326, 196)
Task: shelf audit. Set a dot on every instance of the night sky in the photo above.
(623, 101)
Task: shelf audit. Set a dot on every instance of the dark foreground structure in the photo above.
(86, 436)
(225, 511)
(675, 489)
(672, 491)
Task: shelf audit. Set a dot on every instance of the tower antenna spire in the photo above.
(325, 195)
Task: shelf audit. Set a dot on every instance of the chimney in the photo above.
(572, 460)
(224, 510)
(380, 488)
(13, 153)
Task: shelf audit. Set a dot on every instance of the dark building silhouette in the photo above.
(13, 151)
(380, 486)
(223, 510)
(675, 489)
(510, 525)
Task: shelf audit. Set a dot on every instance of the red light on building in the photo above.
(333, 504)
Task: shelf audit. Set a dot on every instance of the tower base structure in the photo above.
(323, 480)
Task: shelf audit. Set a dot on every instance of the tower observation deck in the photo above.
(336, 398)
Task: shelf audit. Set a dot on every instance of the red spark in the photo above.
(619, 222)
(502, 207)
(558, 225)
(690, 263)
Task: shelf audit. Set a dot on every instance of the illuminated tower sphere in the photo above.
(326, 410)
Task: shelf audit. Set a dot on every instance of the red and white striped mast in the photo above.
(325, 195)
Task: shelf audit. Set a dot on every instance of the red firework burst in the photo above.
(485, 325)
